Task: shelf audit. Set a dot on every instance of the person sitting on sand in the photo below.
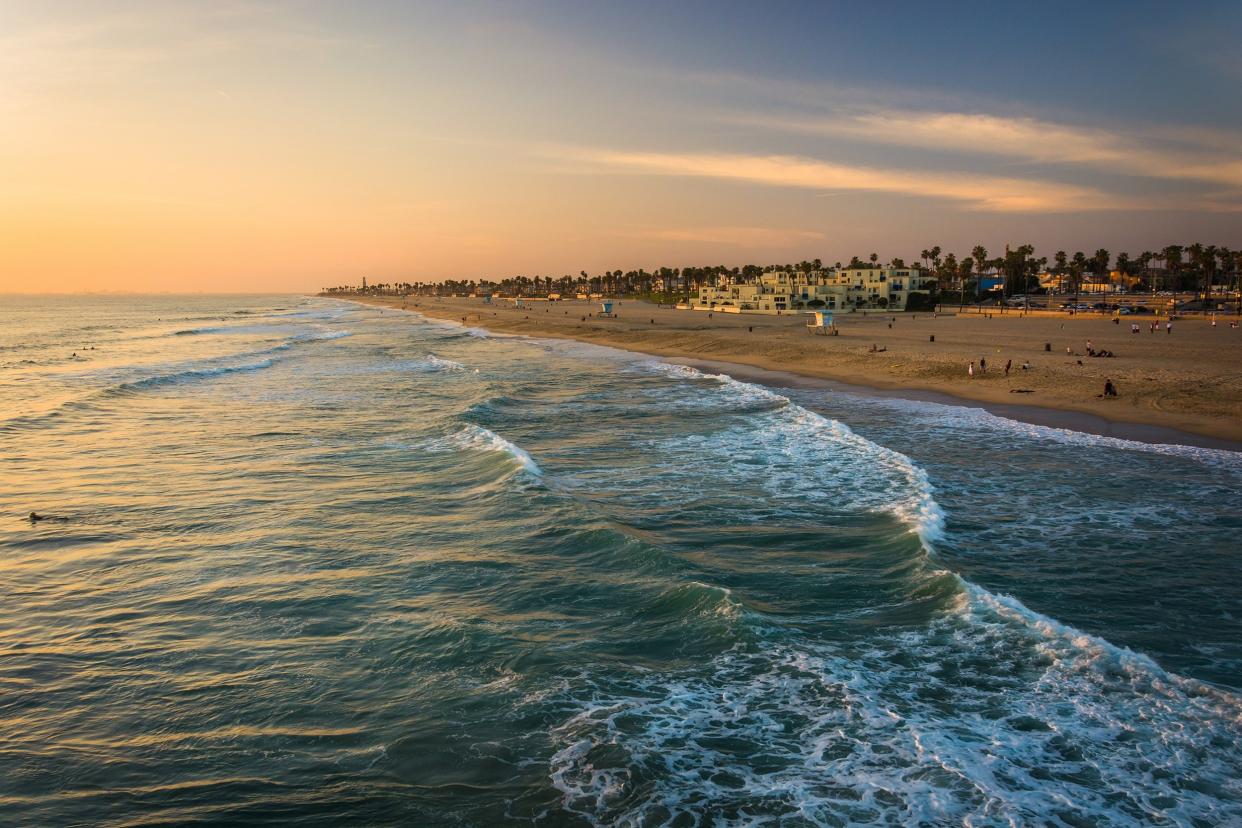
(1110, 390)
(1026, 366)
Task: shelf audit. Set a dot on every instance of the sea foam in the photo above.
(809, 455)
(1051, 724)
(476, 438)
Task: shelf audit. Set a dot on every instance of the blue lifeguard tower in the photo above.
(821, 324)
(605, 308)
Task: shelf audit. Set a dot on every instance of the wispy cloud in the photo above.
(61, 47)
(1025, 139)
(988, 193)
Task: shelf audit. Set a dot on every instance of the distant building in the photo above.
(841, 290)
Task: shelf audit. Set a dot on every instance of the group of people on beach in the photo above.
(1155, 326)
(983, 367)
(1102, 352)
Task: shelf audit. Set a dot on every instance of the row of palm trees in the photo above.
(1197, 268)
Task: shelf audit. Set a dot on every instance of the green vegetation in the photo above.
(1196, 268)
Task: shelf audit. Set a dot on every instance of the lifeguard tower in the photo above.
(821, 324)
(605, 308)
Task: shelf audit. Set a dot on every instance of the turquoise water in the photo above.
(313, 562)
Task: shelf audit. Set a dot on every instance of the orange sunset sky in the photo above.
(242, 146)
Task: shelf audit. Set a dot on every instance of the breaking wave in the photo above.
(193, 374)
(808, 456)
(990, 714)
(476, 438)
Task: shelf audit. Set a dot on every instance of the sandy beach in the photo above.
(1187, 381)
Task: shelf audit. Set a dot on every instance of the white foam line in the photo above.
(1034, 431)
(921, 513)
(926, 519)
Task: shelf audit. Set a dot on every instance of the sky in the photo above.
(160, 145)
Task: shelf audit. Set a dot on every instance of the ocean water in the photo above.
(317, 563)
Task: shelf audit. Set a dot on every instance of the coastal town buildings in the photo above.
(774, 292)
(1115, 281)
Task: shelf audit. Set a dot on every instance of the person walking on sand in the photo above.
(1008, 365)
(1168, 327)
(983, 365)
(970, 370)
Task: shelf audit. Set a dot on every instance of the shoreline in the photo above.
(1078, 421)
(753, 367)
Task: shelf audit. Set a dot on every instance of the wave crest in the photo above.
(476, 438)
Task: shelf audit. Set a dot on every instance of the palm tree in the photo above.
(1077, 265)
(1172, 256)
(1209, 272)
(1195, 256)
(1144, 260)
(1099, 262)
(980, 255)
(1205, 258)
(1229, 263)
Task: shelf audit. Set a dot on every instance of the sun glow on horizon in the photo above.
(244, 146)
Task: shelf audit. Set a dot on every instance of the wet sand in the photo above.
(1184, 387)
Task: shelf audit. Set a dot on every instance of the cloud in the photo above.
(1026, 139)
(731, 235)
(54, 45)
(976, 192)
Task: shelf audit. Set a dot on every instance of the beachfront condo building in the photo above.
(863, 288)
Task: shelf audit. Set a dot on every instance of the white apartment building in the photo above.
(839, 290)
